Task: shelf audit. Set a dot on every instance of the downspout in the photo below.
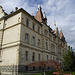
(2, 37)
(3, 32)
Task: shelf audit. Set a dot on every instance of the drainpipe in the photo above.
(2, 34)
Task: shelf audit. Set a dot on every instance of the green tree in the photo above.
(73, 61)
(69, 59)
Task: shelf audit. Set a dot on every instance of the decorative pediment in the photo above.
(1, 12)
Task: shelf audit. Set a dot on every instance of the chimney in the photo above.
(11, 12)
(16, 8)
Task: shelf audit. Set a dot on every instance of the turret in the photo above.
(39, 7)
(57, 32)
(61, 36)
(41, 17)
(44, 18)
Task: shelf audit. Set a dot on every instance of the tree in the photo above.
(69, 59)
(44, 64)
(73, 61)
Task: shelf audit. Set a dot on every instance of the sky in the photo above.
(62, 11)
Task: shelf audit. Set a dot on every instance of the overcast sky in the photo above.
(62, 11)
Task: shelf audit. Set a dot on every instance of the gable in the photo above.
(1, 12)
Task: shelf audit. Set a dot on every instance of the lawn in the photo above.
(50, 73)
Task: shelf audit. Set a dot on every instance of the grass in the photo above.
(50, 73)
(73, 73)
(32, 74)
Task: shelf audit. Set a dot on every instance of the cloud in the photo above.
(62, 11)
(64, 14)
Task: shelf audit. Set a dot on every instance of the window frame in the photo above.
(33, 56)
(26, 55)
(27, 22)
(33, 26)
(26, 37)
(38, 29)
(39, 57)
(38, 42)
(33, 40)
(47, 57)
(47, 45)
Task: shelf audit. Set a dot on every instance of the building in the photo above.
(25, 38)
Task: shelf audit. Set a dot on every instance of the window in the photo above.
(39, 68)
(33, 26)
(33, 68)
(49, 36)
(26, 68)
(39, 57)
(38, 29)
(27, 22)
(0, 53)
(46, 45)
(51, 57)
(33, 57)
(26, 55)
(26, 38)
(52, 47)
(53, 38)
(45, 32)
(47, 57)
(33, 40)
(54, 58)
(38, 42)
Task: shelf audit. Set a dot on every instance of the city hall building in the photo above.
(25, 38)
